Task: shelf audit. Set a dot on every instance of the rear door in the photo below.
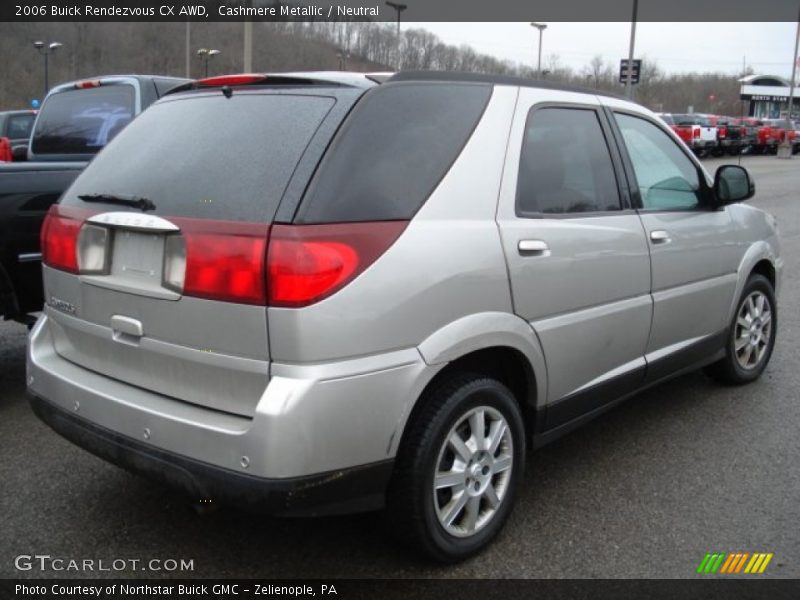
(694, 248)
(171, 295)
(577, 255)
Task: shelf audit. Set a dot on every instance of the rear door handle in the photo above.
(533, 248)
(659, 236)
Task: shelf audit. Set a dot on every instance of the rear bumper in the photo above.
(313, 425)
(344, 491)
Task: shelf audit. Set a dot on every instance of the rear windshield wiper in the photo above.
(142, 204)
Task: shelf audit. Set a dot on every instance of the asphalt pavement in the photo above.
(646, 490)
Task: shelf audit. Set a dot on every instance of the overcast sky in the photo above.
(676, 47)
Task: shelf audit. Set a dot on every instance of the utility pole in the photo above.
(629, 78)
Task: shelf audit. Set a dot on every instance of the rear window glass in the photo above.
(19, 126)
(83, 121)
(392, 152)
(207, 156)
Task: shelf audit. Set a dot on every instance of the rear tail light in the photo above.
(307, 263)
(282, 265)
(218, 260)
(65, 245)
(696, 132)
(59, 241)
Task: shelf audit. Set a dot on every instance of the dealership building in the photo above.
(768, 96)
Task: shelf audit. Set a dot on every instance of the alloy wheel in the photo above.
(473, 471)
(753, 330)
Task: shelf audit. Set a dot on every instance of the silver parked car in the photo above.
(322, 293)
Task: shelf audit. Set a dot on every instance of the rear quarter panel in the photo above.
(448, 264)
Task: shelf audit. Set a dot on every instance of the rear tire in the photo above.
(458, 468)
(751, 337)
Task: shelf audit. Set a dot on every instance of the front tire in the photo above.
(752, 335)
(458, 468)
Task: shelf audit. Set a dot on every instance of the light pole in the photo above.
(188, 49)
(785, 151)
(206, 55)
(46, 50)
(541, 27)
(399, 8)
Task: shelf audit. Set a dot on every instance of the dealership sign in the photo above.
(764, 98)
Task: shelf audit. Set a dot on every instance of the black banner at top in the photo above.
(410, 10)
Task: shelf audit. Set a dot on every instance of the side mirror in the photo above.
(19, 153)
(733, 183)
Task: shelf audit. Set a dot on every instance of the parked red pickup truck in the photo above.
(777, 132)
(766, 136)
(697, 131)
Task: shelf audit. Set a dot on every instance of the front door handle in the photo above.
(659, 236)
(533, 248)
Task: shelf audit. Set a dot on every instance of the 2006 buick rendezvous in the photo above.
(317, 293)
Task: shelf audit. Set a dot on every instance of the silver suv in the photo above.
(324, 293)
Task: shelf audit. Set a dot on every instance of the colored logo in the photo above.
(734, 563)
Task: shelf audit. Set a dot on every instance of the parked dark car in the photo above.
(75, 122)
(16, 125)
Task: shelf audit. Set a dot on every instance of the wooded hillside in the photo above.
(92, 49)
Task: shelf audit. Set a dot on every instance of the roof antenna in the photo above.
(227, 91)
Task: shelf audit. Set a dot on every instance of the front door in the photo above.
(693, 249)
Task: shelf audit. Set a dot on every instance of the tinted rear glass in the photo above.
(83, 121)
(207, 156)
(19, 126)
(392, 151)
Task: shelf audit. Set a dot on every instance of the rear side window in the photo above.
(565, 165)
(19, 126)
(83, 121)
(207, 156)
(392, 152)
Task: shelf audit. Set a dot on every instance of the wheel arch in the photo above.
(498, 345)
(760, 258)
